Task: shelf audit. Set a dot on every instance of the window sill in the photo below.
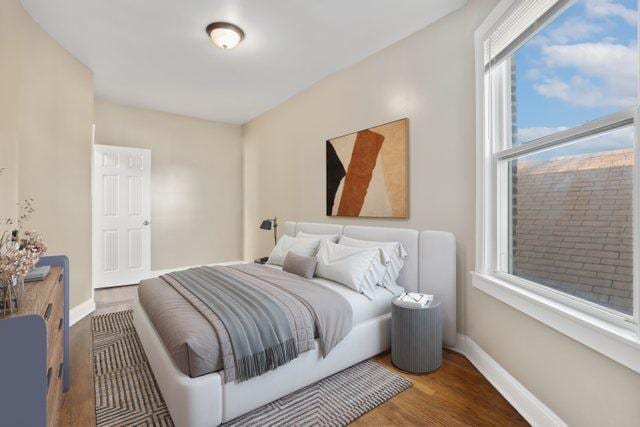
(617, 343)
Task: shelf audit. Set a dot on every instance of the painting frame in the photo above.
(364, 195)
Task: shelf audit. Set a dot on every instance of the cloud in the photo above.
(571, 30)
(618, 139)
(532, 133)
(582, 92)
(601, 59)
(607, 8)
(606, 74)
(534, 74)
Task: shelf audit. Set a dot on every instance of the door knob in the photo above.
(146, 222)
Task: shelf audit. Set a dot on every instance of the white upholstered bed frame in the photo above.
(206, 401)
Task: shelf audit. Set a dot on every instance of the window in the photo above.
(571, 218)
(582, 65)
(559, 122)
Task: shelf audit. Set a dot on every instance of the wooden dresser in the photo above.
(34, 350)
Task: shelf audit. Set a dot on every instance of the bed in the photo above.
(206, 400)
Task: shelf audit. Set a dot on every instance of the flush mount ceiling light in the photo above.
(225, 35)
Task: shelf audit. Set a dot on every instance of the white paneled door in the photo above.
(121, 215)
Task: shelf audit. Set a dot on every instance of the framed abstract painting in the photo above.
(367, 172)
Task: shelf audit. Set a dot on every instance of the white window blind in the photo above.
(521, 22)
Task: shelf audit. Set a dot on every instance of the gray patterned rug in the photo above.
(127, 394)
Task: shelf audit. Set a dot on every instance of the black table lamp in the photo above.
(267, 224)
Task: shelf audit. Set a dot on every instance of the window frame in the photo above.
(590, 323)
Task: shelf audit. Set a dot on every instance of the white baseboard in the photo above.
(81, 310)
(529, 406)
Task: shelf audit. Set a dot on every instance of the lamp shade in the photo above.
(266, 224)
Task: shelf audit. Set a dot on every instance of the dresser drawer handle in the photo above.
(60, 369)
(49, 371)
(60, 323)
(60, 277)
(47, 312)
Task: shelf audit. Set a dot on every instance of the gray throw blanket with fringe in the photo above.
(259, 330)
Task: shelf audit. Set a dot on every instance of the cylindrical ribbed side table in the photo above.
(416, 337)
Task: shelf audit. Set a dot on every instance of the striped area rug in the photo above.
(334, 401)
(127, 394)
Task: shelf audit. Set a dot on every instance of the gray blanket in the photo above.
(332, 313)
(264, 313)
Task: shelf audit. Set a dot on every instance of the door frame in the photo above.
(94, 222)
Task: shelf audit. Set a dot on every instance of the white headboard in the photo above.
(438, 277)
(292, 228)
(430, 267)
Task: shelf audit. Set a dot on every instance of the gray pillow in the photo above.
(300, 265)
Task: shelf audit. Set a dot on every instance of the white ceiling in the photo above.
(156, 54)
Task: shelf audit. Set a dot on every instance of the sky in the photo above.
(581, 66)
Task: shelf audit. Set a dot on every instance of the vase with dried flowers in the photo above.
(20, 251)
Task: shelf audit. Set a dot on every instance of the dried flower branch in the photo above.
(19, 253)
(25, 211)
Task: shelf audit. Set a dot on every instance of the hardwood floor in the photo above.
(79, 404)
(455, 395)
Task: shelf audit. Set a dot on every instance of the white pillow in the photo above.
(299, 245)
(357, 268)
(331, 237)
(394, 251)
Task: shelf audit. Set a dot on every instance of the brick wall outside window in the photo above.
(572, 225)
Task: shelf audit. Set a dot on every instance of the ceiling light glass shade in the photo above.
(225, 35)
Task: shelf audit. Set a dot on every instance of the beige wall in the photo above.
(196, 175)
(429, 78)
(47, 113)
(9, 77)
